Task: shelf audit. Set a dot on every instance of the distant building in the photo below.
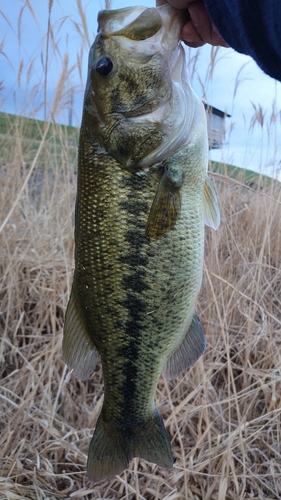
(216, 126)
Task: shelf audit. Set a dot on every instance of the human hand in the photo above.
(199, 29)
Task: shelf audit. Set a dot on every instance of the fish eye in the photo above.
(104, 66)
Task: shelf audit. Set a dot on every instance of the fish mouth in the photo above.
(118, 23)
(141, 30)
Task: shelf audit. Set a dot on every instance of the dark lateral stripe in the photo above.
(136, 281)
(134, 207)
(130, 352)
(134, 182)
(135, 284)
(129, 389)
(135, 306)
(134, 259)
(136, 238)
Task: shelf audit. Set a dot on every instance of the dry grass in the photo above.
(223, 416)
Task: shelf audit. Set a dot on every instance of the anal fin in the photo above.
(166, 205)
(78, 349)
(191, 348)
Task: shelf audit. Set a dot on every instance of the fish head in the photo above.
(135, 63)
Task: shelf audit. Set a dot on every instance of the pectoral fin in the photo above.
(166, 205)
(211, 205)
(190, 349)
(78, 349)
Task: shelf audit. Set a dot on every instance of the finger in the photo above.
(203, 25)
(178, 4)
(200, 21)
(190, 36)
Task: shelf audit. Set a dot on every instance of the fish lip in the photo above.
(156, 113)
(110, 21)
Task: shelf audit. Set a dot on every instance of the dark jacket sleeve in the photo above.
(252, 27)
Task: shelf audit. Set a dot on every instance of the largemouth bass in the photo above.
(142, 198)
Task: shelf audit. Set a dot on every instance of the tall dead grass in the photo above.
(223, 415)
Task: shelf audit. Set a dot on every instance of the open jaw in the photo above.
(142, 31)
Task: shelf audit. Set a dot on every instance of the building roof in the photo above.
(215, 111)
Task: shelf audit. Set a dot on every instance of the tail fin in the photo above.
(112, 448)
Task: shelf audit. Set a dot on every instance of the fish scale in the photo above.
(142, 198)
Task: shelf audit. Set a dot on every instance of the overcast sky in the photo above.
(23, 27)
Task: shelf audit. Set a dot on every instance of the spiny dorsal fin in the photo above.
(166, 205)
(191, 348)
(211, 208)
(78, 349)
